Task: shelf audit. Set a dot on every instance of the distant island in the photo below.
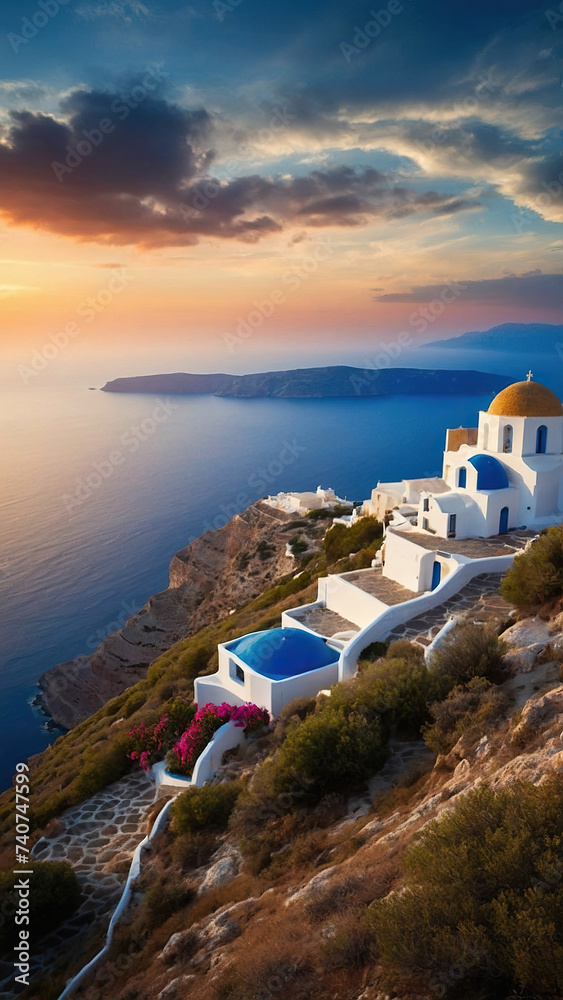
(317, 383)
(507, 337)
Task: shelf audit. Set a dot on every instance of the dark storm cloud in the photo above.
(134, 168)
(532, 289)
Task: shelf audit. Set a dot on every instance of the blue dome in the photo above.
(279, 653)
(491, 475)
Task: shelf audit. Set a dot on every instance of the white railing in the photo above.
(226, 738)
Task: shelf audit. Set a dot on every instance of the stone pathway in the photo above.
(326, 622)
(475, 548)
(480, 600)
(373, 582)
(98, 838)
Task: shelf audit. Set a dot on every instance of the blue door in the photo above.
(503, 523)
(462, 478)
(541, 440)
(436, 575)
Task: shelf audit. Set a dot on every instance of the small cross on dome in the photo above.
(529, 376)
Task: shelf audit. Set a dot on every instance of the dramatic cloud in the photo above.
(534, 289)
(134, 168)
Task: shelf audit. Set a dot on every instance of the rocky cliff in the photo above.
(214, 574)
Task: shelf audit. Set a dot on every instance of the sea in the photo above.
(100, 490)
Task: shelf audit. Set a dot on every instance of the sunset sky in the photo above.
(313, 175)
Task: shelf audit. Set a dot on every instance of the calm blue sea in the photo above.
(100, 490)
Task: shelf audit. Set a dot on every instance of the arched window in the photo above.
(541, 440)
(485, 437)
(462, 477)
(507, 439)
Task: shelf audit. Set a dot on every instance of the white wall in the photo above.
(262, 691)
(405, 560)
(402, 613)
(343, 597)
(227, 737)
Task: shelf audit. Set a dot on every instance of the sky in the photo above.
(231, 184)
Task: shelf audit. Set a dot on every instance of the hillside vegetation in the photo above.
(400, 837)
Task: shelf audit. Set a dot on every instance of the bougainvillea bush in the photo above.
(182, 746)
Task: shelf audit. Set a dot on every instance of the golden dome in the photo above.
(526, 399)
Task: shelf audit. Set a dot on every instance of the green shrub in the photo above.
(340, 540)
(52, 805)
(470, 651)
(155, 672)
(204, 808)
(54, 896)
(404, 692)
(101, 768)
(536, 575)
(194, 659)
(265, 550)
(112, 707)
(243, 560)
(134, 702)
(180, 713)
(374, 651)
(163, 898)
(399, 689)
(483, 895)
(332, 749)
(293, 713)
(352, 945)
(467, 708)
(321, 514)
(298, 545)
(282, 590)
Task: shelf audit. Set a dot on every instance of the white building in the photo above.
(505, 474)
(302, 503)
(404, 495)
(270, 669)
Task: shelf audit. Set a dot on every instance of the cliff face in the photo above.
(214, 574)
